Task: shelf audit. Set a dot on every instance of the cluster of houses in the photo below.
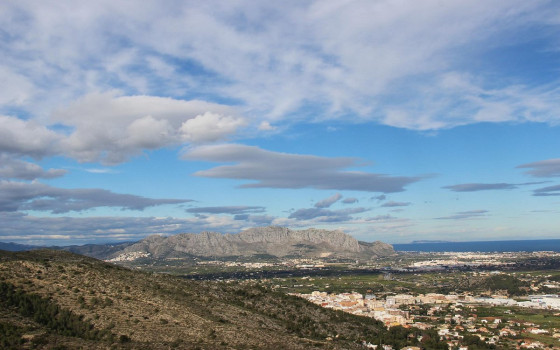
(129, 256)
(444, 312)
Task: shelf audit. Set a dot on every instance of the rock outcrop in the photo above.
(275, 241)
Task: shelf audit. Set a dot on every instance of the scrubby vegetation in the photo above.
(109, 306)
(48, 313)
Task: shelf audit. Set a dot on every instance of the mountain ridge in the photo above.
(271, 240)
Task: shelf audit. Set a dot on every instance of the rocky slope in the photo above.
(107, 306)
(275, 241)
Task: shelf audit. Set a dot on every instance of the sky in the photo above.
(390, 120)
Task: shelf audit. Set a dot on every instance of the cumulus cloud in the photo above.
(265, 126)
(36, 196)
(465, 215)
(543, 168)
(11, 168)
(234, 210)
(27, 138)
(210, 127)
(111, 128)
(327, 202)
(392, 204)
(284, 170)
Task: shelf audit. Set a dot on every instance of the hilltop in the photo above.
(60, 299)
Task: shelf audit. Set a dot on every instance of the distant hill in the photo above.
(275, 241)
(55, 299)
(16, 247)
(98, 251)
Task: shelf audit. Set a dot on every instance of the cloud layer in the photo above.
(36, 196)
(11, 168)
(284, 170)
(403, 64)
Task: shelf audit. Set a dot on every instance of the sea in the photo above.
(482, 246)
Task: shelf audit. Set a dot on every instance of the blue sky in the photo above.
(390, 120)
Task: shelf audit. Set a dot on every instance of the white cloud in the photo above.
(111, 128)
(274, 60)
(209, 127)
(27, 137)
(15, 89)
(265, 126)
(20, 169)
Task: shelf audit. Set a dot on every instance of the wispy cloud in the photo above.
(326, 53)
(474, 187)
(462, 215)
(234, 210)
(100, 170)
(392, 204)
(547, 191)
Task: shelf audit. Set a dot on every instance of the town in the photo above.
(458, 313)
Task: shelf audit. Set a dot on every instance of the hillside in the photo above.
(109, 306)
(275, 241)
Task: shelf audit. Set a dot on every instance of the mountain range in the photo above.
(279, 242)
(272, 240)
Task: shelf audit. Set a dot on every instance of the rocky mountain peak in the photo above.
(271, 240)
